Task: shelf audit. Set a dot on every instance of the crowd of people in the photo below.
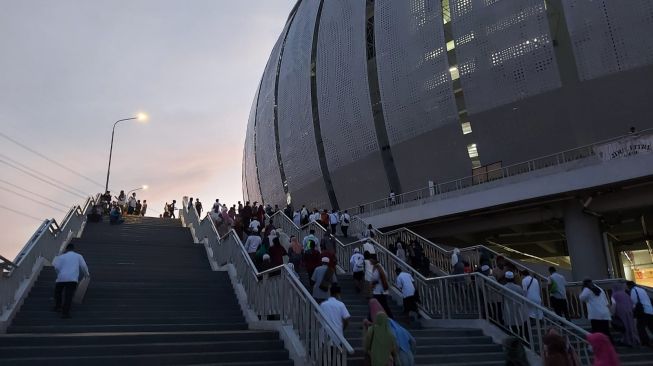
(115, 207)
(629, 312)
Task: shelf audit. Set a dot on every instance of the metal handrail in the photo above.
(499, 173)
(441, 257)
(271, 294)
(46, 243)
(477, 296)
(578, 309)
(461, 296)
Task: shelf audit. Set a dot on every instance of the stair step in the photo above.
(141, 348)
(132, 338)
(158, 359)
(127, 328)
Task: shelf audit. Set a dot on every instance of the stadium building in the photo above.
(464, 110)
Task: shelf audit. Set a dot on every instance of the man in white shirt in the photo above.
(336, 311)
(344, 223)
(333, 221)
(144, 208)
(251, 245)
(217, 206)
(131, 202)
(67, 266)
(405, 283)
(357, 267)
(558, 291)
(323, 278)
(254, 226)
(380, 285)
(645, 315)
(532, 288)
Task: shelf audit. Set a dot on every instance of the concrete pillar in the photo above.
(585, 244)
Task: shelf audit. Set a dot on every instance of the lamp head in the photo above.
(145, 186)
(142, 117)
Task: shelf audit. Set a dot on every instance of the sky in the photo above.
(70, 68)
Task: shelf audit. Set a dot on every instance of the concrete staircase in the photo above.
(153, 300)
(434, 346)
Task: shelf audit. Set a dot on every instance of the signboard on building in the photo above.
(624, 148)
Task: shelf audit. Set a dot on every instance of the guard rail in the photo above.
(274, 292)
(48, 241)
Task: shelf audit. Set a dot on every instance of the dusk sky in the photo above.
(70, 68)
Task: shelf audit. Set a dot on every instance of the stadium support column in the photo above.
(585, 244)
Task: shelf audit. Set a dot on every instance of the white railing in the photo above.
(461, 296)
(431, 192)
(475, 296)
(578, 309)
(440, 258)
(274, 292)
(46, 243)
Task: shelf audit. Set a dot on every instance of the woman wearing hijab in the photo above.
(406, 345)
(295, 251)
(555, 351)
(380, 343)
(515, 353)
(622, 318)
(401, 253)
(604, 353)
(276, 252)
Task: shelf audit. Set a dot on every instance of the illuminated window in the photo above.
(455, 75)
(472, 151)
(467, 128)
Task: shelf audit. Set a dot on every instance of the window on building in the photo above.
(472, 151)
(467, 128)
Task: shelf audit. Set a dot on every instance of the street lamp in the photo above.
(139, 117)
(143, 187)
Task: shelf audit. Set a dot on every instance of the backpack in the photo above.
(359, 265)
(326, 279)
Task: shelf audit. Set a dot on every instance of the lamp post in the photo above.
(143, 187)
(139, 117)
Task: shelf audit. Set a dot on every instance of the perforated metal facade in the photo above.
(504, 51)
(609, 36)
(266, 153)
(414, 79)
(249, 158)
(343, 95)
(368, 95)
(296, 134)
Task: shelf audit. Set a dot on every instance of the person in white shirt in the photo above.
(333, 221)
(405, 283)
(344, 223)
(144, 208)
(335, 311)
(643, 313)
(217, 206)
(369, 247)
(598, 308)
(251, 245)
(380, 285)
(369, 232)
(254, 225)
(357, 266)
(558, 291)
(131, 202)
(532, 288)
(67, 266)
(297, 219)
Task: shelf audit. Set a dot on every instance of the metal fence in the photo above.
(557, 159)
(46, 243)
(276, 292)
(468, 296)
